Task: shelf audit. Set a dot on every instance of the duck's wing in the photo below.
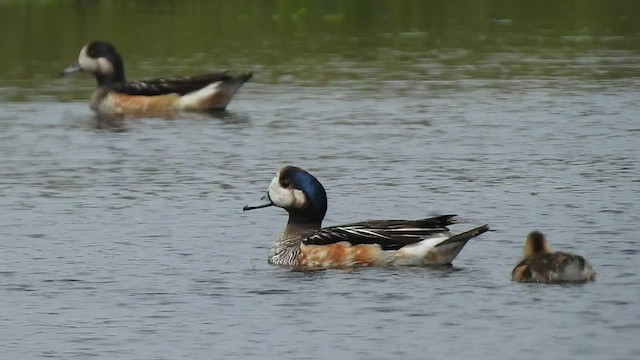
(536, 268)
(521, 272)
(179, 86)
(389, 234)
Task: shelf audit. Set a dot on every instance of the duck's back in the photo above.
(180, 86)
(553, 267)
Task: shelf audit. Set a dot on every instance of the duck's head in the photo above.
(298, 192)
(535, 244)
(102, 60)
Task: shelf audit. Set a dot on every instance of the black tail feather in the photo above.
(465, 236)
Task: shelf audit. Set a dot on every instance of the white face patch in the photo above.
(285, 198)
(97, 66)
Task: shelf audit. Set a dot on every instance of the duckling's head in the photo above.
(298, 192)
(102, 60)
(535, 244)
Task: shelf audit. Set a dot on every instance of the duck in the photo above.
(304, 244)
(541, 265)
(115, 95)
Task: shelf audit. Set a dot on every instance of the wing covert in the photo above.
(179, 86)
(389, 234)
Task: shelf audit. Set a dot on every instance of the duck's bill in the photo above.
(71, 69)
(264, 202)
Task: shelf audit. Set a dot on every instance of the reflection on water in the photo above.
(124, 238)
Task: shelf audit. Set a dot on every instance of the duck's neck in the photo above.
(106, 80)
(533, 248)
(286, 248)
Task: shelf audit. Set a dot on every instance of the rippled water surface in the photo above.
(126, 239)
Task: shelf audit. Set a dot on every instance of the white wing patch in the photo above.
(216, 95)
(199, 99)
(426, 252)
(420, 249)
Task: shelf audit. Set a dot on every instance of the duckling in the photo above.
(541, 265)
(114, 95)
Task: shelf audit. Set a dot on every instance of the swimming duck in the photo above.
(116, 96)
(305, 244)
(541, 265)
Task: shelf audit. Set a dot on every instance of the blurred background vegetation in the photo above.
(328, 40)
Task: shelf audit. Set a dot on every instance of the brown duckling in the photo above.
(541, 265)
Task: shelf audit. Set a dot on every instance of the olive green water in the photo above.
(128, 241)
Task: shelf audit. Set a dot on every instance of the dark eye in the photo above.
(285, 183)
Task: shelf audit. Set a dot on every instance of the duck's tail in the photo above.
(240, 79)
(443, 253)
(465, 236)
(215, 96)
(231, 86)
(234, 82)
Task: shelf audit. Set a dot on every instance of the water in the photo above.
(127, 240)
